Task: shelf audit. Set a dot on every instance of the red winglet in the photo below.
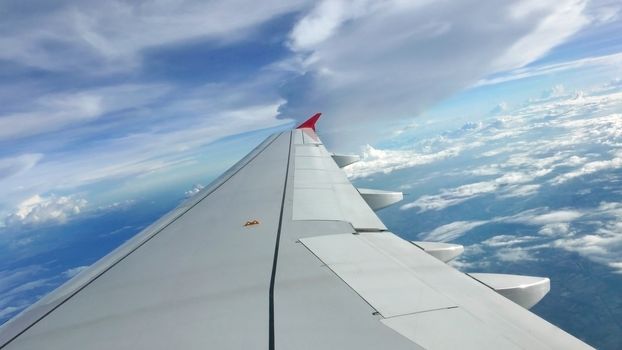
(310, 123)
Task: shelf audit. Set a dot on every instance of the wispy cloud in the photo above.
(378, 160)
(529, 72)
(112, 35)
(74, 271)
(12, 166)
(143, 137)
(510, 183)
(56, 111)
(508, 240)
(14, 283)
(451, 231)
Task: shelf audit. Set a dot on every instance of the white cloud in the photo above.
(451, 231)
(460, 194)
(528, 72)
(589, 168)
(386, 161)
(595, 233)
(325, 19)
(559, 21)
(56, 111)
(30, 285)
(16, 286)
(112, 35)
(569, 120)
(370, 60)
(507, 240)
(514, 254)
(74, 271)
(555, 229)
(556, 91)
(617, 266)
(474, 258)
(37, 209)
(194, 190)
(520, 191)
(603, 243)
(10, 310)
(12, 166)
(149, 139)
(12, 278)
(543, 216)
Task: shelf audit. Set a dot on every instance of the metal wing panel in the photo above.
(410, 289)
(194, 281)
(379, 279)
(323, 192)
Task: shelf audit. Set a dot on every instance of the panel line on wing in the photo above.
(271, 340)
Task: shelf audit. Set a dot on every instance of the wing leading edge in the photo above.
(315, 269)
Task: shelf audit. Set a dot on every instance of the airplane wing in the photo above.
(283, 252)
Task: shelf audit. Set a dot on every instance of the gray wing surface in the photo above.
(279, 252)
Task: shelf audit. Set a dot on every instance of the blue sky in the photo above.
(106, 102)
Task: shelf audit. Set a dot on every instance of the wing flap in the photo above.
(387, 285)
(410, 287)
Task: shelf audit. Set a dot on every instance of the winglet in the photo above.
(310, 123)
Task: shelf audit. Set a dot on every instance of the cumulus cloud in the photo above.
(570, 122)
(377, 160)
(38, 209)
